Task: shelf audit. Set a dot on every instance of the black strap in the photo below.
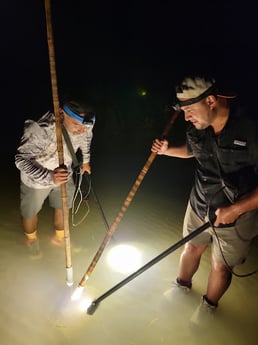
(70, 147)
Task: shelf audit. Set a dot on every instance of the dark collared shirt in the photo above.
(227, 164)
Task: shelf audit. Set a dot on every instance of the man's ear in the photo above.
(211, 100)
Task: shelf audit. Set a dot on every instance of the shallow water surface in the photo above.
(36, 305)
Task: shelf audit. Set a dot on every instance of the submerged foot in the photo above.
(34, 249)
(177, 290)
(58, 242)
(184, 286)
(204, 314)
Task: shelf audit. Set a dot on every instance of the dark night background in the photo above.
(110, 51)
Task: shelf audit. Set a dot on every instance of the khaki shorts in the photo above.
(231, 243)
(32, 199)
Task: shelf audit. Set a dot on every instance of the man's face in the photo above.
(74, 126)
(199, 114)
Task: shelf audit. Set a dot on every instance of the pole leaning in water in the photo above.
(69, 269)
(124, 207)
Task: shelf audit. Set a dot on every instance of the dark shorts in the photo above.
(32, 199)
(231, 243)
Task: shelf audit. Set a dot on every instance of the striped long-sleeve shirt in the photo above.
(37, 154)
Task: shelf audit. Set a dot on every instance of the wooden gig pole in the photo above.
(123, 209)
(69, 270)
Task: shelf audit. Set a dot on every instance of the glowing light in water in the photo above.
(77, 293)
(84, 304)
(124, 259)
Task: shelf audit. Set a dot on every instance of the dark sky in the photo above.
(111, 49)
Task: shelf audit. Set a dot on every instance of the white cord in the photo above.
(78, 194)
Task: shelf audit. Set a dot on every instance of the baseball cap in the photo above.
(192, 90)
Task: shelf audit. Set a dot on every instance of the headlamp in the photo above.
(87, 120)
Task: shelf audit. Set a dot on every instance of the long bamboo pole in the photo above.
(123, 209)
(51, 51)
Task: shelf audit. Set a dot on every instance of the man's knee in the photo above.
(193, 249)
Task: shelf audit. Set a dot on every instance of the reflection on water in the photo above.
(36, 307)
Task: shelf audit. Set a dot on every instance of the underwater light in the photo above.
(124, 258)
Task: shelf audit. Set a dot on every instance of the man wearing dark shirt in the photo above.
(224, 141)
